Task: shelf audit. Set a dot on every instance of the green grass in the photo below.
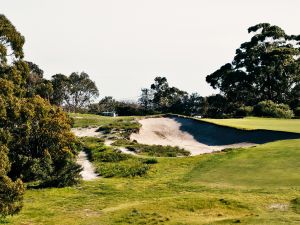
(250, 123)
(85, 120)
(151, 150)
(110, 162)
(258, 185)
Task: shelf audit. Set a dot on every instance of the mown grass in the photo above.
(250, 123)
(258, 185)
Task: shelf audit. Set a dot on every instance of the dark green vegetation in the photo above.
(110, 162)
(36, 144)
(265, 68)
(74, 92)
(151, 150)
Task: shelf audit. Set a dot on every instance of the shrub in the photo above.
(297, 112)
(129, 168)
(150, 161)
(271, 109)
(244, 111)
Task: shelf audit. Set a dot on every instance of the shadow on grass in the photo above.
(215, 135)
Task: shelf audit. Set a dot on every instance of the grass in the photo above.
(86, 120)
(151, 150)
(258, 185)
(250, 123)
(110, 162)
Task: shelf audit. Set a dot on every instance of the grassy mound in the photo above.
(151, 150)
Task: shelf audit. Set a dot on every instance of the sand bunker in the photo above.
(86, 132)
(200, 137)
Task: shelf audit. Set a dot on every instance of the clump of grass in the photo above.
(124, 127)
(139, 217)
(152, 150)
(296, 205)
(127, 168)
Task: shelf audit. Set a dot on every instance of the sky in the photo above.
(124, 44)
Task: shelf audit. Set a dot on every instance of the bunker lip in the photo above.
(201, 137)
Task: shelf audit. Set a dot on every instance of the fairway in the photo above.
(258, 185)
(250, 123)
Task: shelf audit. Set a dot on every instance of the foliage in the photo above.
(35, 139)
(11, 193)
(297, 111)
(265, 68)
(74, 92)
(244, 111)
(271, 109)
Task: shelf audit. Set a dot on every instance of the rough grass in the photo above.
(259, 185)
(86, 120)
(110, 162)
(152, 150)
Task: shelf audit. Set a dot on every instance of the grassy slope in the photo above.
(290, 125)
(253, 186)
(85, 120)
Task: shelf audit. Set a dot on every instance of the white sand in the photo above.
(86, 132)
(122, 149)
(88, 172)
(166, 131)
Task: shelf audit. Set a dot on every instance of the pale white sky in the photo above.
(124, 44)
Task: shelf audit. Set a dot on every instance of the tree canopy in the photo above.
(265, 68)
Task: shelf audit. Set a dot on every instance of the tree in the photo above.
(265, 68)
(36, 84)
(36, 143)
(74, 92)
(146, 98)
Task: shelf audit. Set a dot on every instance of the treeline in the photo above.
(262, 80)
(159, 98)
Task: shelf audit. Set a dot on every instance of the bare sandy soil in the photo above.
(86, 132)
(166, 131)
(88, 172)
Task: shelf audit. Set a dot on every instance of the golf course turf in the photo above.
(256, 185)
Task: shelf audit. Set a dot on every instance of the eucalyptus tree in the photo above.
(265, 68)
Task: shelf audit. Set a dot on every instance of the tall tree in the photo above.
(265, 68)
(74, 92)
(36, 143)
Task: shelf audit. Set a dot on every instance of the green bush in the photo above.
(244, 111)
(271, 109)
(150, 161)
(297, 112)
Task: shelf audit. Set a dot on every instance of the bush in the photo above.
(244, 111)
(297, 112)
(271, 109)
